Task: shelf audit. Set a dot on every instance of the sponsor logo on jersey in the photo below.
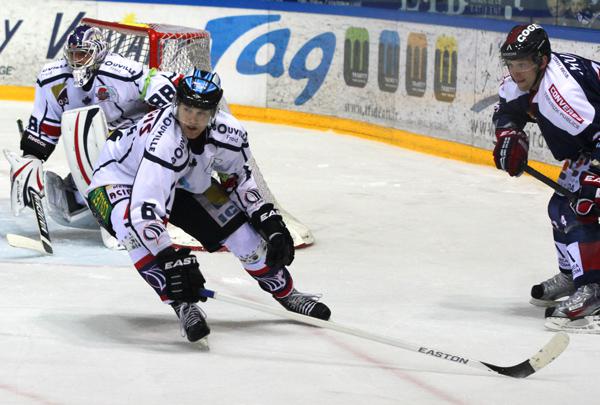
(118, 192)
(60, 94)
(126, 68)
(159, 133)
(153, 231)
(388, 69)
(225, 129)
(253, 196)
(416, 64)
(104, 93)
(446, 62)
(356, 57)
(563, 104)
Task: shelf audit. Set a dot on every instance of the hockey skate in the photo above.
(305, 304)
(191, 320)
(548, 292)
(580, 313)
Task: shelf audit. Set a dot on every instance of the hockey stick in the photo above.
(550, 183)
(543, 357)
(557, 187)
(44, 244)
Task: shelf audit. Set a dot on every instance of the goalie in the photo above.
(87, 75)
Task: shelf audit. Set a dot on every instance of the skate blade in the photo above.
(202, 344)
(589, 324)
(545, 303)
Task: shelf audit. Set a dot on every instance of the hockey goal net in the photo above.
(176, 49)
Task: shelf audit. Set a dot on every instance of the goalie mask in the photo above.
(84, 51)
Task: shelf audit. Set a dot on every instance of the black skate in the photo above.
(548, 292)
(192, 321)
(305, 304)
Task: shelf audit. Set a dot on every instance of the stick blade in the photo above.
(541, 359)
(24, 242)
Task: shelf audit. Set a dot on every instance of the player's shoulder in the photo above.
(509, 90)
(118, 67)
(163, 140)
(52, 71)
(225, 130)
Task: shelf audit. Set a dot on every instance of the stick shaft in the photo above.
(557, 187)
(347, 330)
(550, 183)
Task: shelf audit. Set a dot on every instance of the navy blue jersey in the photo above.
(564, 107)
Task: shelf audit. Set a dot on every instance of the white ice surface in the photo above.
(430, 251)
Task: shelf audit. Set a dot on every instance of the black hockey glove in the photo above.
(182, 274)
(35, 146)
(280, 245)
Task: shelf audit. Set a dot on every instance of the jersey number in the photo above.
(148, 211)
(165, 96)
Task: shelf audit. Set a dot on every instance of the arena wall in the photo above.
(425, 82)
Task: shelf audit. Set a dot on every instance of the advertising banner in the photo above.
(346, 67)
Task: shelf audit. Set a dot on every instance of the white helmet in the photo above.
(84, 51)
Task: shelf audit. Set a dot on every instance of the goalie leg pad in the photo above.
(84, 132)
(65, 204)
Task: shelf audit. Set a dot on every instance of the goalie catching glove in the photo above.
(280, 245)
(182, 274)
(26, 173)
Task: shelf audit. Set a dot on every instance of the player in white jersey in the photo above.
(88, 75)
(561, 93)
(161, 170)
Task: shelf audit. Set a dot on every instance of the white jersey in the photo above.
(123, 88)
(150, 157)
(224, 150)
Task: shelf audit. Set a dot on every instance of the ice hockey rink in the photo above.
(430, 251)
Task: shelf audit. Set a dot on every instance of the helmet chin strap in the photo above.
(538, 78)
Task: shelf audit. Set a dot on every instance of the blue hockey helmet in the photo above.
(199, 88)
(84, 51)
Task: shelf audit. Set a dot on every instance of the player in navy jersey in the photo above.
(87, 74)
(560, 92)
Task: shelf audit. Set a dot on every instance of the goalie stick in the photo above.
(551, 350)
(44, 244)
